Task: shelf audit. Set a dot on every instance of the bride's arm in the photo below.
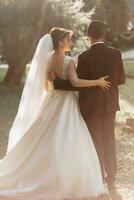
(50, 76)
(76, 82)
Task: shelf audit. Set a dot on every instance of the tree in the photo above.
(114, 13)
(19, 31)
(23, 22)
(89, 5)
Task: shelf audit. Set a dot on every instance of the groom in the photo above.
(99, 107)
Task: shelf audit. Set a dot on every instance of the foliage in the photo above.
(22, 23)
(115, 15)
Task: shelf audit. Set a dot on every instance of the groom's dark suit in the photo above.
(98, 107)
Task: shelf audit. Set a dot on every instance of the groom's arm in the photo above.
(60, 84)
(81, 72)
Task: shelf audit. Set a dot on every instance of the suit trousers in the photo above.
(101, 127)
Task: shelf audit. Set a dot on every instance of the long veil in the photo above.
(33, 93)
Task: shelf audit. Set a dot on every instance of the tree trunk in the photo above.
(20, 35)
(14, 74)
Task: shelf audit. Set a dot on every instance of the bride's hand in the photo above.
(104, 84)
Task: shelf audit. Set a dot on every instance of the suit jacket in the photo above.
(99, 60)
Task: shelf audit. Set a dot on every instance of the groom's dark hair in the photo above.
(96, 29)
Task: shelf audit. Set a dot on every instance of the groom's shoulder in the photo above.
(84, 54)
(113, 49)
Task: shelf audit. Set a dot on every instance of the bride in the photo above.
(50, 153)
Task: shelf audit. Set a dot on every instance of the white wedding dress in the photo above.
(50, 154)
(56, 159)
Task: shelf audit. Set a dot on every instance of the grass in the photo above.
(2, 74)
(129, 67)
(127, 91)
(9, 100)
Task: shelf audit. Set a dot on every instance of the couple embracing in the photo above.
(62, 144)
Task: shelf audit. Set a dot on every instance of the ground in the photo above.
(9, 99)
